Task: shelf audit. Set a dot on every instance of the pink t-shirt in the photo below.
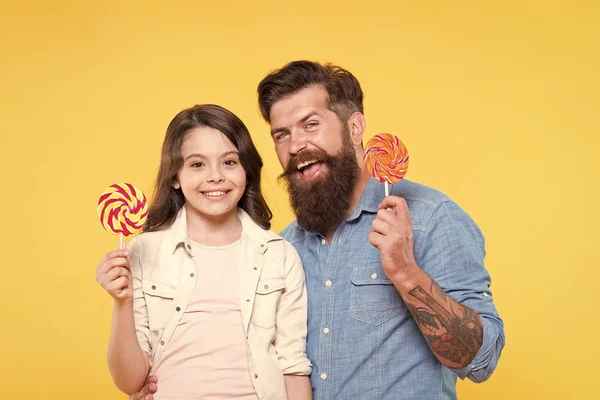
(206, 357)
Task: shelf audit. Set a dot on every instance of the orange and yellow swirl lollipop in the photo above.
(386, 158)
(122, 210)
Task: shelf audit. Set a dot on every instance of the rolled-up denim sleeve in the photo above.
(452, 252)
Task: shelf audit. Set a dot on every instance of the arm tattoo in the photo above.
(453, 331)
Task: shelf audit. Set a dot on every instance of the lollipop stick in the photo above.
(121, 242)
(387, 190)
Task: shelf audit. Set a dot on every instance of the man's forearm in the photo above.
(453, 331)
(128, 364)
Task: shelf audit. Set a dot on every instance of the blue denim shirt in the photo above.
(362, 340)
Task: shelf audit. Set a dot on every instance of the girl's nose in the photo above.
(215, 176)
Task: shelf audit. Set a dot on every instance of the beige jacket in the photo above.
(272, 299)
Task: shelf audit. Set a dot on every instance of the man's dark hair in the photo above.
(344, 93)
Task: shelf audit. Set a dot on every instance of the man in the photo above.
(399, 299)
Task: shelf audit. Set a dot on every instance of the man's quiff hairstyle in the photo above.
(345, 95)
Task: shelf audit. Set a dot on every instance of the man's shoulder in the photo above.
(293, 233)
(424, 202)
(417, 192)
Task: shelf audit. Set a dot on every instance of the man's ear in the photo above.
(357, 125)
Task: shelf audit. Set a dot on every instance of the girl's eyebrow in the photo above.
(195, 155)
(203, 156)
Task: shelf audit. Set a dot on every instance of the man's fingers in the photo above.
(380, 226)
(395, 203)
(375, 239)
(147, 391)
(388, 216)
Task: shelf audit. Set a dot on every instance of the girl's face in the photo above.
(212, 179)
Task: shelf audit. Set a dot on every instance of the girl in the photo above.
(207, 294)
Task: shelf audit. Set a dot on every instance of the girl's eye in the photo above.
(230, 162)
(197, 165)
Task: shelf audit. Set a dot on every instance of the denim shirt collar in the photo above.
(370, 199)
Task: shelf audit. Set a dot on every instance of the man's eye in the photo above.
(281, 136)
(311, 125)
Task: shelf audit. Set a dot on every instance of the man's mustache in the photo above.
(304, 156)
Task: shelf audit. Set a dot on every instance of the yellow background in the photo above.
(497, 102)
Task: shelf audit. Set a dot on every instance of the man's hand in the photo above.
(392, 235)
(147, 392)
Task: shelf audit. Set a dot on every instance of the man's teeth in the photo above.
(214, 194)
(305, 164)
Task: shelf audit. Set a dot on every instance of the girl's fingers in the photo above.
(117, 272)
(105, 263)
(118, 284)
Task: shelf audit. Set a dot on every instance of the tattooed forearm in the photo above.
(453, 331)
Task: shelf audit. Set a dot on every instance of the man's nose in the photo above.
(297, 142)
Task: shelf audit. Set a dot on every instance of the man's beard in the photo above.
(322, 204)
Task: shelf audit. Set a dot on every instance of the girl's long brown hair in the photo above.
(167, 201)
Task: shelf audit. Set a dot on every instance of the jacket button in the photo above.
(153, 287)
(266, 286)
(178, 309)
(255, 376)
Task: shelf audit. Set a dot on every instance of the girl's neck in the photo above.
(211, 230)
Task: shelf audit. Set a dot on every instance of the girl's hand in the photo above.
(113, 273)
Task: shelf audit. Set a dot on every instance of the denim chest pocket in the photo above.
(266, 301)
(159, 298)
(373, 297)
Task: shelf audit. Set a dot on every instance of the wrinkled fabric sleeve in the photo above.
(140, 310)
(452, 252)
(291, 319)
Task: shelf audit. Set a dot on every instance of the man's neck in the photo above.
(359, 188)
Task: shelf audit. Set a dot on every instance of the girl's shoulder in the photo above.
(147, 241)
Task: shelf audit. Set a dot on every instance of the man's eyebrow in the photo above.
(310, 114)
(301, 121)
